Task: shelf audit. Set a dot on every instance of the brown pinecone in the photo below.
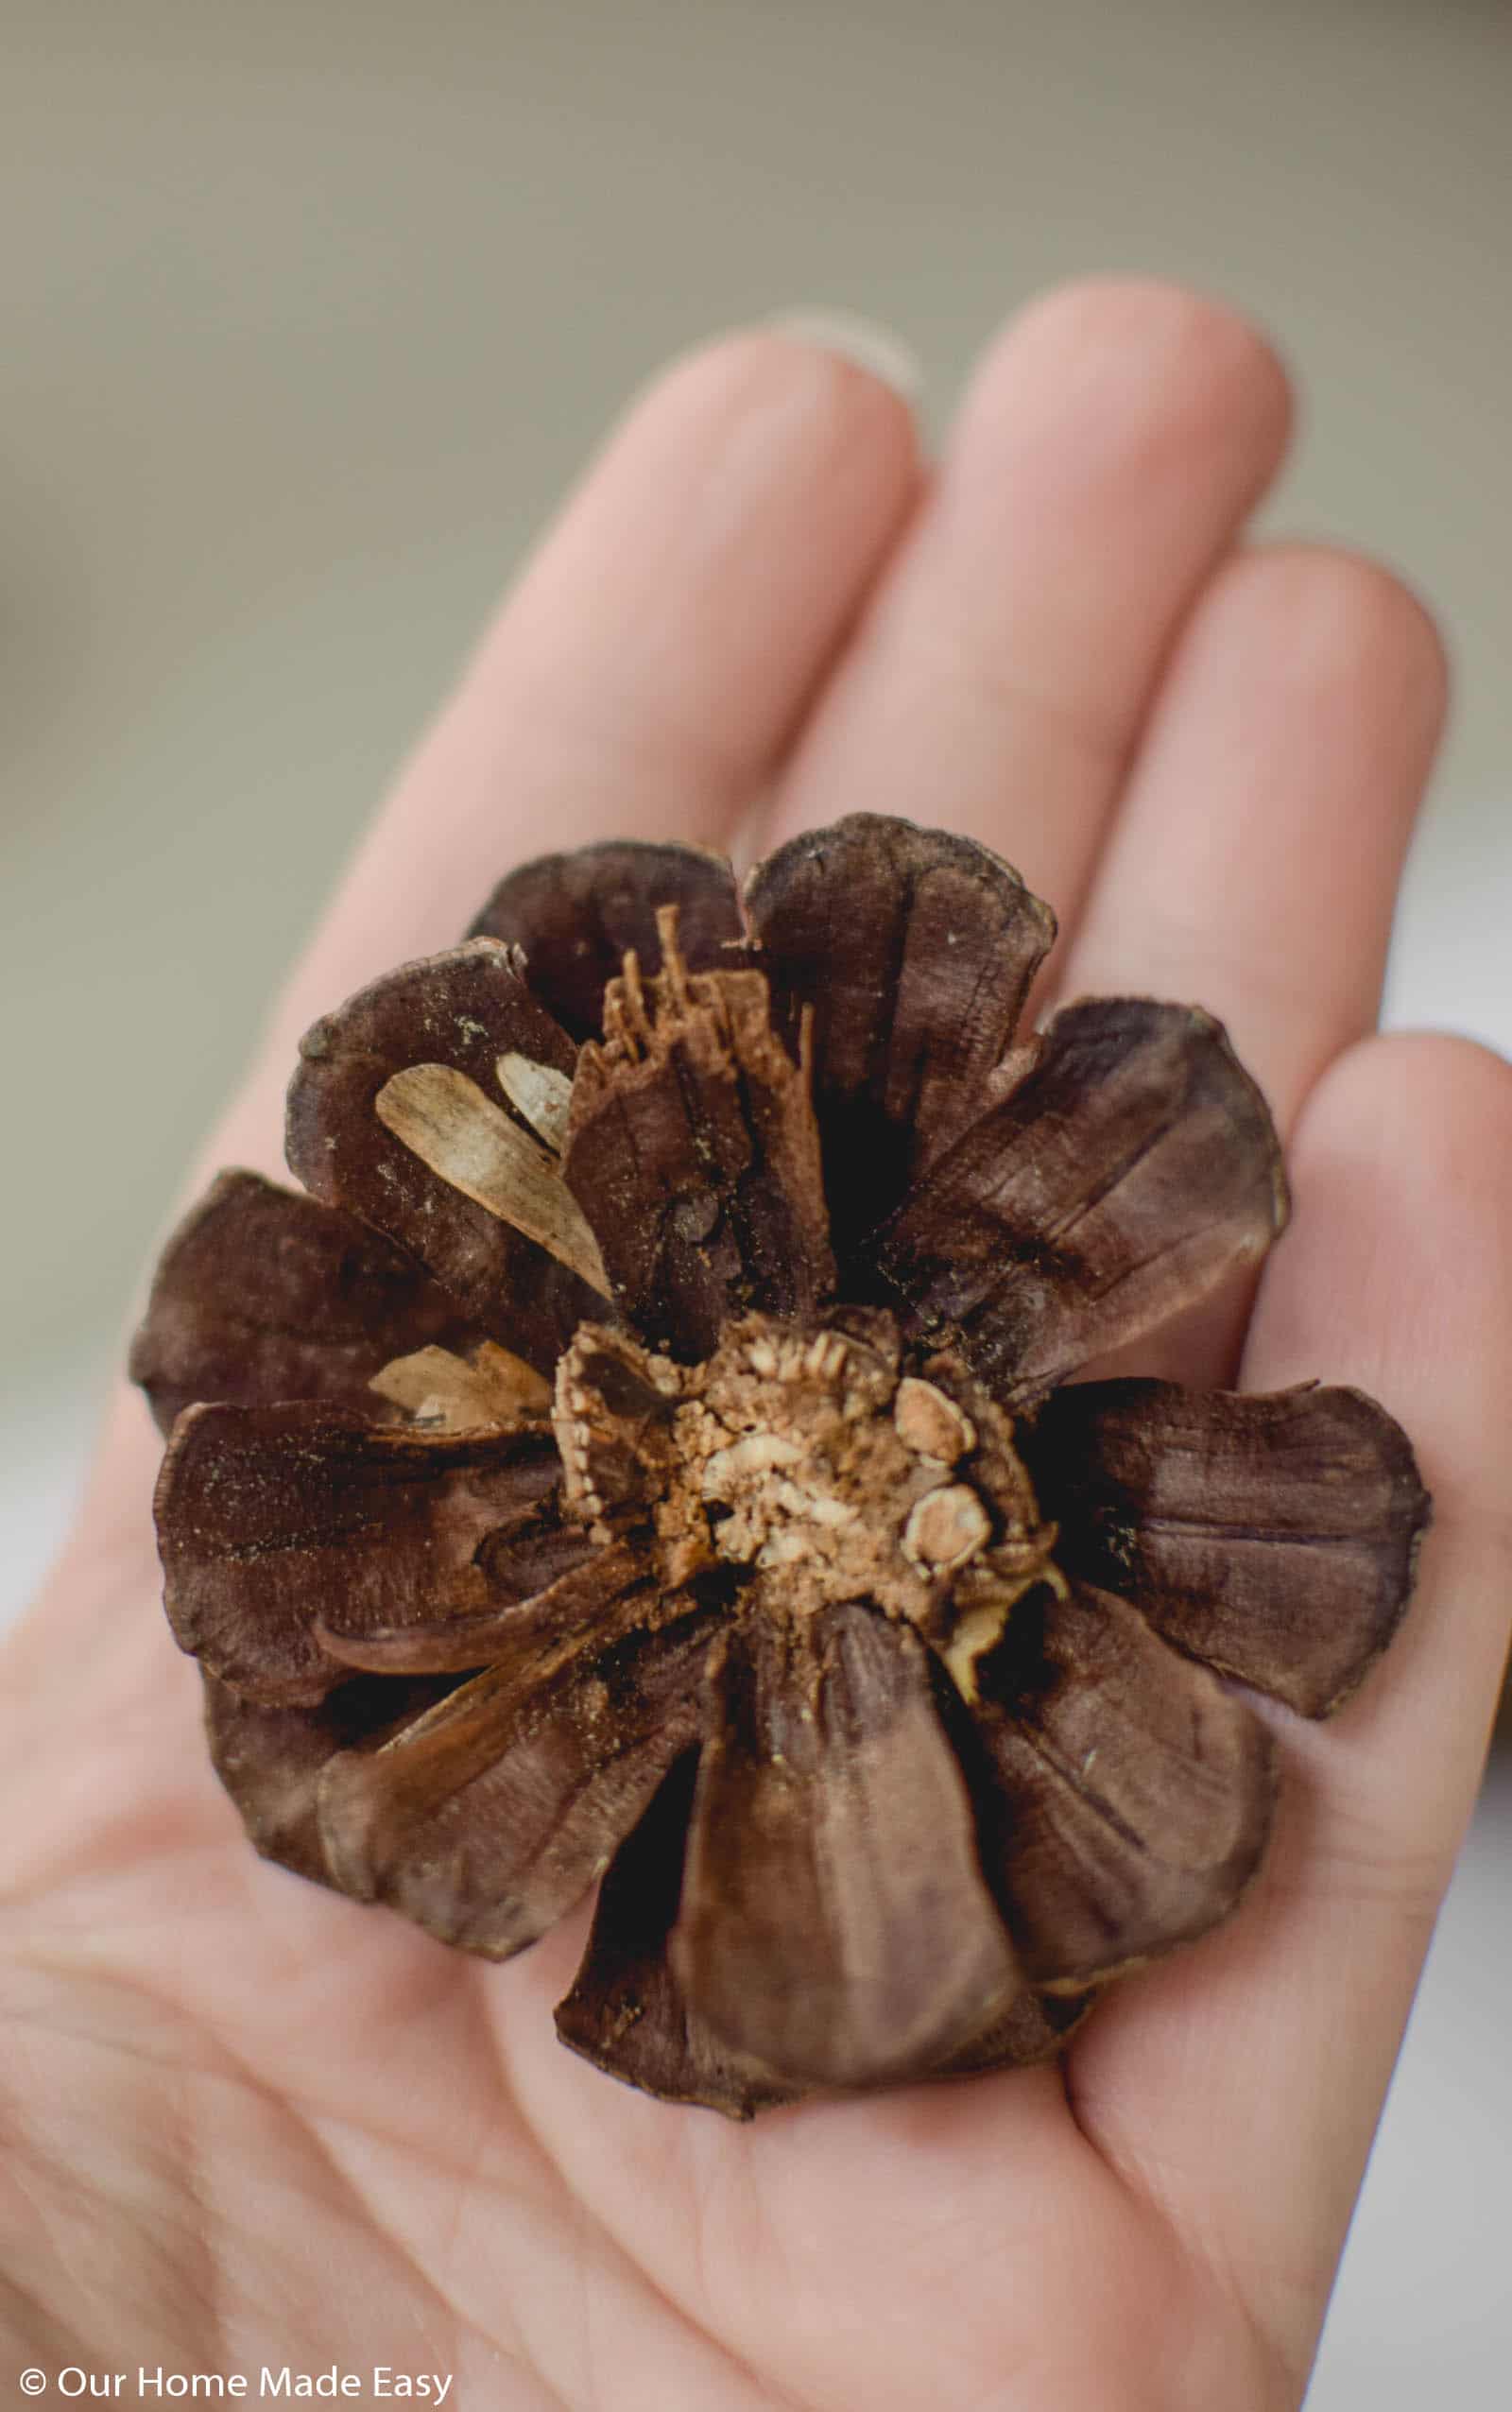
(645, 1454)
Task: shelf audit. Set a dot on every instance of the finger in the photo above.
(647, 668)
(1241, 2085)
(1254, 862)
(1108, 451)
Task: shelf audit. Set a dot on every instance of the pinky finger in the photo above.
(1279, 2038)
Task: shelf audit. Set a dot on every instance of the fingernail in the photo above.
(870, 347)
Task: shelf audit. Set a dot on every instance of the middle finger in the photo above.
(1109, 450)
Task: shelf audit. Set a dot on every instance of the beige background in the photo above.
(311, 306)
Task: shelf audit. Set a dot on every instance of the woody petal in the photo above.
(444, 1022)
(1132, 1165)
(272, 1521)
(576, 917)
(915, 951)
(583, 1591)
(692, 1150)
(625, 2011)
(270, 1760)
(834, 1925)
(1273, 1536)
(492, 1814)
(262, 1294)
(1128, 1795)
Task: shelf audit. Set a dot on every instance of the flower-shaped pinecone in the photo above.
(644, 1451)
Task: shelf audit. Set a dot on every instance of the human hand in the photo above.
(247, 2122)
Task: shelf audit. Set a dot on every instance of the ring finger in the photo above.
(1254, 862)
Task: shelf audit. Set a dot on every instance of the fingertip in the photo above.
(1139, 363)
(1332, 622)
(814, 377)
(1396, 1273)
(863, 343)
(1427, 1110)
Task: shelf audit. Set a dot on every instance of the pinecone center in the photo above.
(807, 1454)
(803, 1458)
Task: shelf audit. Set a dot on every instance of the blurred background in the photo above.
(312, 309)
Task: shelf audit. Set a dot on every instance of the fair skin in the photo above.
(245, 2121)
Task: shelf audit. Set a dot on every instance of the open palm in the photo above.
(246, 2122)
